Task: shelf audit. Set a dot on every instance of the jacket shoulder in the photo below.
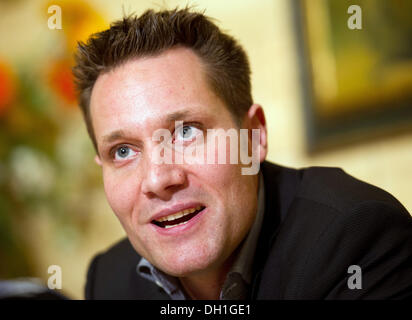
(335, 221)
(335, 188)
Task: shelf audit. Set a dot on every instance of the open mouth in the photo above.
(178, 218)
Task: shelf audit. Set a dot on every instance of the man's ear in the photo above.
(255, 119)
(97, 160)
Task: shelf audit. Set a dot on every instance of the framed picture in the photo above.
(356, 68)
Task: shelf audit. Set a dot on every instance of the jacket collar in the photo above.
(281, 185)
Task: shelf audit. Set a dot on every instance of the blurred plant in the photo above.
(61, 80)
(7, 87)
(44, 150)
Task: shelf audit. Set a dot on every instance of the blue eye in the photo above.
(186, 133)
(124, 152)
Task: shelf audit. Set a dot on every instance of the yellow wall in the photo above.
(264, 27)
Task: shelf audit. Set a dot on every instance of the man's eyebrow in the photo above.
(175, 116)
(113, 136)
(179, 115)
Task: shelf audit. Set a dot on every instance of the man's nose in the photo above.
(162, 180)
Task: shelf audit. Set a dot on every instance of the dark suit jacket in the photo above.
(318, 222)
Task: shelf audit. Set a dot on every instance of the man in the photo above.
(204, 230)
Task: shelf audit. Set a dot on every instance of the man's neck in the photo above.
(208, 284)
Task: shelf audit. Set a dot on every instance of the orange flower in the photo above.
(61, 80)
(7, 87)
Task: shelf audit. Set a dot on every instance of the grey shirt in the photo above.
(238, 279)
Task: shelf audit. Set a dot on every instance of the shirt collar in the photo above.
(168, 283)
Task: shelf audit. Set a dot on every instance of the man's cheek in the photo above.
(118, 197)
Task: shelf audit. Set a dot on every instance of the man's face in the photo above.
(128, 105)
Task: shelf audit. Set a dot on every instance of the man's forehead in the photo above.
(170, 76)
(172, 66)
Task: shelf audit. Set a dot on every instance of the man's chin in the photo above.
(189, 266)
(182, 271)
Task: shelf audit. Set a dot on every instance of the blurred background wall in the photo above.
(52, 207)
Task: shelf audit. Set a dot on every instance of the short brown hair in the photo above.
(227, 66)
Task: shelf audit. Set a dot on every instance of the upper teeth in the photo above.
(179, 214)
